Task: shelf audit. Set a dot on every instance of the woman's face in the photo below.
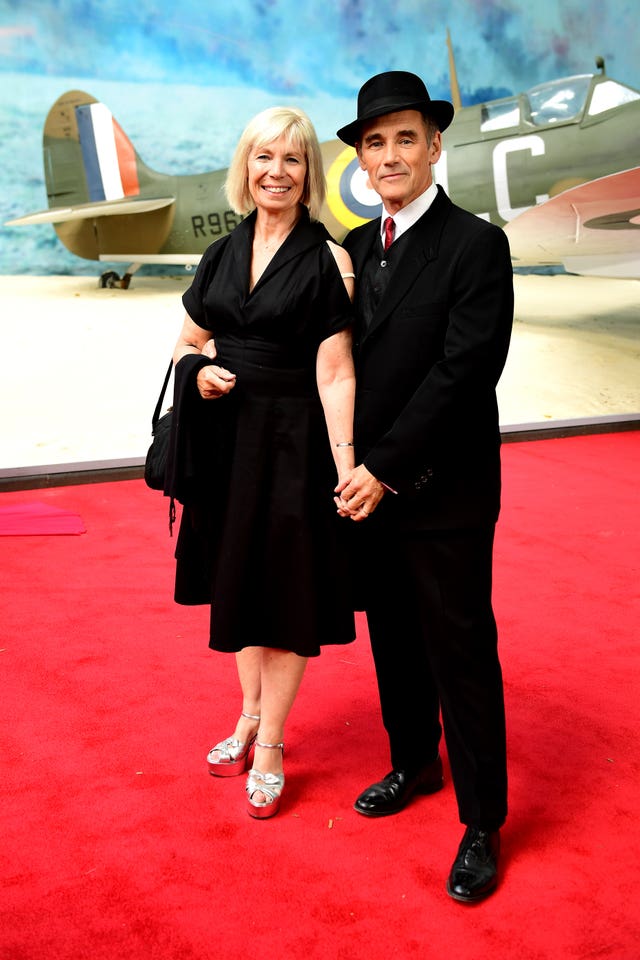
(276, 175)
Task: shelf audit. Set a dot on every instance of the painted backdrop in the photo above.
(183, 78)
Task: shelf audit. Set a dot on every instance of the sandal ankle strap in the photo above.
(270, 746)
(249, 716)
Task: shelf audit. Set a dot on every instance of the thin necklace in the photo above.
(276, 241)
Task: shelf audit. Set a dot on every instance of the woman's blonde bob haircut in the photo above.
(267, 126)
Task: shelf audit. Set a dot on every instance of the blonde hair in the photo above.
(264, 128)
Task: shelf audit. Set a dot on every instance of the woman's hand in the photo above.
(213, 381)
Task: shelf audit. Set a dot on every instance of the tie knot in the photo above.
(389, 232)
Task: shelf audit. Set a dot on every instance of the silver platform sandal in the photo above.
(269, 784)
(230, 757)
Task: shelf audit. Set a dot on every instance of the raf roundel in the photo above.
(351, 200)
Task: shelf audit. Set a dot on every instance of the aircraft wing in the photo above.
(165, 259)
(592, 229)
(87, 211)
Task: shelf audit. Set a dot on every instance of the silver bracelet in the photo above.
(349, 443)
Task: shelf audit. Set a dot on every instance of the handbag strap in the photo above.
(156, 412)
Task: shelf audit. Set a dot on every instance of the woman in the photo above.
(268, 426)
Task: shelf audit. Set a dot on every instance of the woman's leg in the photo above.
(282, 673)
(249, 666)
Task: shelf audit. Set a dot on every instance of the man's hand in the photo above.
(358, 494)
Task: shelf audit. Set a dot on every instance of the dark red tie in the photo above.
(389, 231)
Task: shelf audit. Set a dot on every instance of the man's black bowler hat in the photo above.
(390, 92)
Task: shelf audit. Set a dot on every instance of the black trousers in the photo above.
(434, 642)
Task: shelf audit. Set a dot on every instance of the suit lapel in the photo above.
(423, 242)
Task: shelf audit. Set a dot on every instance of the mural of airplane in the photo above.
(556, 167)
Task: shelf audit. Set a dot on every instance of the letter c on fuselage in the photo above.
(535, 144)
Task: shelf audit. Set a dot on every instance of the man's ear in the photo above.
(363, 165)
(435, 147)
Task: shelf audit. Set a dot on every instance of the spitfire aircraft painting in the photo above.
(556, 167)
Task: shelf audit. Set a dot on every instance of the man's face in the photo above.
(396, 154)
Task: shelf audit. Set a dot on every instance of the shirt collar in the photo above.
(407, 216)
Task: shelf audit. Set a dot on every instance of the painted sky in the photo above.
(184, 77)
(296, 48)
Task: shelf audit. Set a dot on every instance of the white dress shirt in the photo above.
(407, 216)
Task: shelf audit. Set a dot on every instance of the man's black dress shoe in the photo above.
(474, 873)
(394, 792)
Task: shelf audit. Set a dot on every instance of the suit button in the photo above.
(424, 479)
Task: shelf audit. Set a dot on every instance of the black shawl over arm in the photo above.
(190, 443)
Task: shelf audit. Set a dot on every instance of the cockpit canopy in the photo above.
(558, 101)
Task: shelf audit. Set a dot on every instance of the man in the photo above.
(435, 310)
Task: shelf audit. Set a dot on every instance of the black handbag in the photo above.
(155, 464)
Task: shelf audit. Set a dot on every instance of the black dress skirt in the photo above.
(261, 540)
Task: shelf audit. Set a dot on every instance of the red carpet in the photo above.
(117, 844)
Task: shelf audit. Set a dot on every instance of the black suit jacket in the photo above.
(426, 419)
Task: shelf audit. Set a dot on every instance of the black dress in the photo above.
(261, 540)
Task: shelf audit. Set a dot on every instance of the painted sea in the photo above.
(176, 129)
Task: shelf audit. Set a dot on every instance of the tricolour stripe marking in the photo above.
(126, 161)
(98, 142)
(106, 148)
(89, 152)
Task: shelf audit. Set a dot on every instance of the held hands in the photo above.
(358, 494)
(214, 381)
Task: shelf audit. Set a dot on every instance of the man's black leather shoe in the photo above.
(474, 873)
(394, 792)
